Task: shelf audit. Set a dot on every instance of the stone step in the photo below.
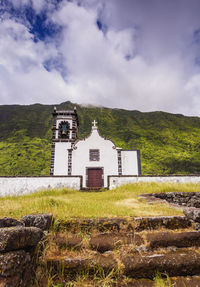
(177, 239)
(73, 266)
(119, 224)
(67, 241)
(173, 263)
(19, 237)
(109, 241)
(184, 262)
(180, 281)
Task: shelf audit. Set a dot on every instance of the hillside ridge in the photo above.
(169, 143)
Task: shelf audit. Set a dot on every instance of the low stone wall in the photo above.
(189, 199)
(121, 224)
(20, 185)
(21, 243)
(18, 252)
(142, 254)
(115, 181)
(24, 185)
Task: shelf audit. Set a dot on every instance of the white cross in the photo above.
(94, 123)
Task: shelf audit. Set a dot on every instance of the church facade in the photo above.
(94, 158)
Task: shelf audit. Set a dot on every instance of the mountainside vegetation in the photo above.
(169, 143)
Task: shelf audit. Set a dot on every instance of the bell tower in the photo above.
(65, 132)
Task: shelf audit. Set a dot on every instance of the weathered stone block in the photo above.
(14, 238)
(9, 222)
(177, 239)
(192, 213)
(12, 262)
(42, 221)
(108, 241)
(176, 263)
(169, 222)
(15, 268)
(72, 266)
(190, 199)
(72, 241)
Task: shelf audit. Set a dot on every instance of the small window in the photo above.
(94, 155)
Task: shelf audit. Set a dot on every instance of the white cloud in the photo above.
(156, 76)
(31, 86)
(20, 3)
(38, 5)
(23, 78)
(18, 50)
(192, 90)
(100, 74)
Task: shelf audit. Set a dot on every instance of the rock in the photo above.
(180, 240)
(70, 265)
(188, 281)
(190, 199)
(73, 266)
(108, 241)
(191, 281)
(42, 221)
(194, 202)
(9, 222)
(169, 222)
(63, 242)
(12, 262)
(137, 283)
(120, 224)
(192, 213)
(14, 238)
(88, 225)
(15, 269)
(197, 226)
(105, 262)
(174, 263)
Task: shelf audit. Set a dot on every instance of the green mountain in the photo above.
(169, 143)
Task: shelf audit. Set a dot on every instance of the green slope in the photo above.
(169, 143)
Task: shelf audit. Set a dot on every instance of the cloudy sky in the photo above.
(132, 54)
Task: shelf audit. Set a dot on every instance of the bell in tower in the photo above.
(65, 125)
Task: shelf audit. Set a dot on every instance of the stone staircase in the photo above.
(123, 252)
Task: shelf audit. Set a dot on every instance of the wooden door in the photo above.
(94, 177)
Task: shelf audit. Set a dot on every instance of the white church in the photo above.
(94, 158)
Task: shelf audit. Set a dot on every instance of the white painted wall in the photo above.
(108, 156)
(61, 158)
(129, 162)
(115, 181)
(24, 185)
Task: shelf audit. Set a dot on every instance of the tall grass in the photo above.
(160, 282)
(66, 203)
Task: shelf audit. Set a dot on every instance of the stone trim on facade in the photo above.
(69, 162)
(139, 162)
(52, 158)
(119, 158)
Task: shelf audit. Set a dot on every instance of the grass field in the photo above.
(122, 201)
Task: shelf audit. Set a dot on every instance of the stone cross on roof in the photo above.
(94, 123)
